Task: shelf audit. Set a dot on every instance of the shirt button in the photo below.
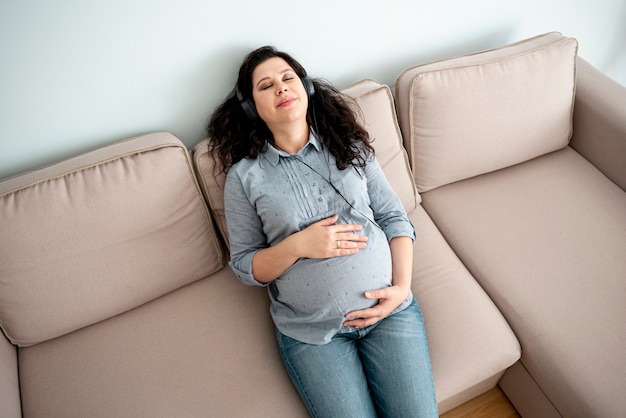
(320, 199)
(314, 183)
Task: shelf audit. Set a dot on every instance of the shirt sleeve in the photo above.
(245, 229)
(385, 204)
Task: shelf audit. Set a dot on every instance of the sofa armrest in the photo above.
(10, 404)
(600, 122)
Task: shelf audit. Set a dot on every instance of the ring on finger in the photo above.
(338, 244)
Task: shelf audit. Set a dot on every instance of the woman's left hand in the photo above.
(389, 299)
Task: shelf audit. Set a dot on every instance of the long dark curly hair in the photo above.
(332, 115)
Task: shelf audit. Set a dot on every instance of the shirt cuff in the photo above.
(400, 229)
(242, 267)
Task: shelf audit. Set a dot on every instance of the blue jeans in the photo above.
(382, 370)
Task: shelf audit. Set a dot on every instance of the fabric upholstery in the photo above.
(470, 342)
(474, 114)
(600, 121)
(99, 234)
(10, 405)
(207, 349)
(546, 239)
(211, 179)
(527, 397)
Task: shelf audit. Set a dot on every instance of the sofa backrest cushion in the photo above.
(99, 234)
(478, 113)
(212, 179)
(376, 112)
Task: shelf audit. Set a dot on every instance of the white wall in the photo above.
(76, 74)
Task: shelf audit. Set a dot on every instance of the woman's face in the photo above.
(278, 93)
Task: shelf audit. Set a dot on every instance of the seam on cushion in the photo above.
(485, 51)
(358, 83)
(7, 335)
(420, 76)
(87, 166)
(575, 83)
(502, 59)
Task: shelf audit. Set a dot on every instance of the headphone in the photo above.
(248, 105)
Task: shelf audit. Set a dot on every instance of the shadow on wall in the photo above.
(205, 87)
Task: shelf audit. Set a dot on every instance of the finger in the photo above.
(373, 312)
(328, 221)
(349, 247)
(376, 294)
(362, 322)
(351, 237)
(345, 228)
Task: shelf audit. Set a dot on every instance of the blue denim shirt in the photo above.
(274, 195)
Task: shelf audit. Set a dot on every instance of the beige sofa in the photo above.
(539, 220)
(115, 297)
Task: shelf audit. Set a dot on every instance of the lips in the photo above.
(286, 101)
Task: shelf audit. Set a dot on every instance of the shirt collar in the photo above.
(273, 154)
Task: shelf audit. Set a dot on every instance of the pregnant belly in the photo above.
(335, 286)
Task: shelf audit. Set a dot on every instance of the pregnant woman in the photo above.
(312, 217)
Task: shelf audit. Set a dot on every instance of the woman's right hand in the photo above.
(326, 238)
(323, 239)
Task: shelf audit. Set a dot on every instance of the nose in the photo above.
(282, 87)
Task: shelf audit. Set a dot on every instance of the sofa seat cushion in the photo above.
(470, 115)
(547, 239)
(471, 345)
(207, 349)
(98, 234)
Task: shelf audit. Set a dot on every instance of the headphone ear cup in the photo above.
(250, 109)
(247, 105)
(308, 86)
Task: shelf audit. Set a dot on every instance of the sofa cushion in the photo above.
(376, 112)
(470, 115)
(211, 179)
(99, 234)
(546, 239)
(206, 349)
(470, 343)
